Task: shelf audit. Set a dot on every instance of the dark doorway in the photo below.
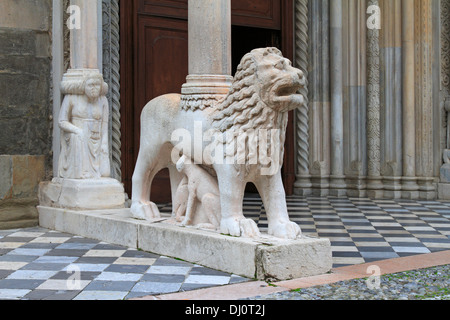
(245, 39)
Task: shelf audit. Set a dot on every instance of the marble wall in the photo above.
(375, 118)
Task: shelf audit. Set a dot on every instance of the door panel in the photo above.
(164, 8)
(260, 14)
(161, 68)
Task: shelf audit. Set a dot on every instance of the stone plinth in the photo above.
(264, 258)
(82, 194)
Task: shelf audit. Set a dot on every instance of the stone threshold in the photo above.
(265, 258)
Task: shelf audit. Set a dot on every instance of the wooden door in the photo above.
(154, 61)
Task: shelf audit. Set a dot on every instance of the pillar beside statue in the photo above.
(83, 180)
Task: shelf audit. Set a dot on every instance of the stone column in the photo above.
(84, 41)
(303, 181)
(83, 178)
(337, 184)
(209, 27)
(355, 97)
(319, 95)
(111, 73)
(425, 102)
(444, 185)
(391, 97)
(57, 73)
(374, 185)
(409, 188)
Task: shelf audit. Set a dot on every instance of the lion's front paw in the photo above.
(249, 229)
(285, 230)
(239, 227)
(144, 211)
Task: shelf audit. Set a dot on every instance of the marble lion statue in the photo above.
(263, 91)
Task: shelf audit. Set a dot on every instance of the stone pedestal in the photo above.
(264, 258)
(82, 194)
(444, 191)
(444, 185)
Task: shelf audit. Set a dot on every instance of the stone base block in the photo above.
(444, 191)
(83, 194)
(18, 213)
(264, 258)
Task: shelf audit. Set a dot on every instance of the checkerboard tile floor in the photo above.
(37, 263)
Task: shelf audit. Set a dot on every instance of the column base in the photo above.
(303, 186)
(410, 189)
(82, 194)
(375, 188)
(356, 186)
(338, 187)
(392, 187)
(204, 84)
(427, 188)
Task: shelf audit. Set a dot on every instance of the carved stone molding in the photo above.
(373, 99)
(302, 117)
(111, 74)
(445, 46)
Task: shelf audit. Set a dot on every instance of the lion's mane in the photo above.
(243, 109)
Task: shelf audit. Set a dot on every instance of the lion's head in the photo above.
(265, 85)
(263, 91)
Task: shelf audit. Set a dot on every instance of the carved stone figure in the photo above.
(84, 128)
(197, 200)
(83, 181)
(263, 91)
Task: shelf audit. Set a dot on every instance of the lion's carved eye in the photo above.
(279, 65)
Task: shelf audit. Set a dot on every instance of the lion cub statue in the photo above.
(197, 188)
(239, 137)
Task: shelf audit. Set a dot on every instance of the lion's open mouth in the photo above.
(287, 90)
(287, 96)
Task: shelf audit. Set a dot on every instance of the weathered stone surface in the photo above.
(18, 213)
(25, 78)
(229, 254)
(444, 191)
(25, 14)
(25, 135)
(109, 226)
(20, 176)
(27, 172)
(5, 177)
(265, 258)
(19, 180)
(82, 194)
(293, 259)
